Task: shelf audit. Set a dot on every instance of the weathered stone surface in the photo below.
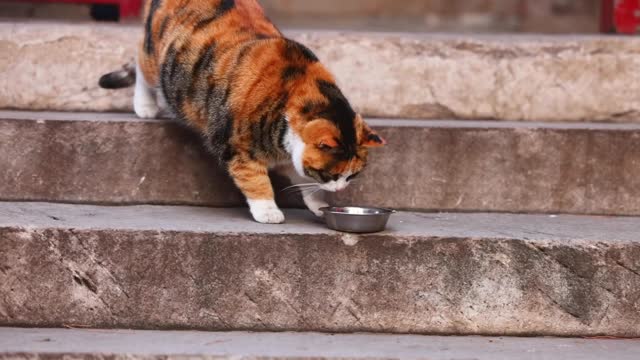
(473, 16)
(568, 78)
(441, 165)
(27, 344)
(198, 268)
(110, 158)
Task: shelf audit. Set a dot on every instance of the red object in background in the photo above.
(621, 16)
(127, 8)
(627, 16)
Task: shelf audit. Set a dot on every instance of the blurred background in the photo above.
(486, 16)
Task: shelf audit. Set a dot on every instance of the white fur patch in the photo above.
(295, 146)
(265, 211)
(337, 185)
(144, 101)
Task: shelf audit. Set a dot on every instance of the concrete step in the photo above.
(155, 267)
(49, 66)
(444, 165)
(547, 16)
(23, 344)
(533, 16)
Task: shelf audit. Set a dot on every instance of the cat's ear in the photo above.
(368, 137)
(374, 140)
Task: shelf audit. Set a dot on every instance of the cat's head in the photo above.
(334, 153)
(332, 140)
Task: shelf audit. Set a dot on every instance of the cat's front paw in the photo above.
(266, 211)
(314, 205)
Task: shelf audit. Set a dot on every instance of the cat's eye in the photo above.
(324, 147)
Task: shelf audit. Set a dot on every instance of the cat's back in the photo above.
(193, 27)
(225, 17)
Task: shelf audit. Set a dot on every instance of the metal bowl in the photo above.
(357, 219)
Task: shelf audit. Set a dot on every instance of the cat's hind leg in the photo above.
(144, 98)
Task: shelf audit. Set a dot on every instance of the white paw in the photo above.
(266, 211)
(146, 110)
(315, 205)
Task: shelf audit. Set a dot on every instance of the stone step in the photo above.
(443, 165)
(74, 344)
(52, 66)
(547, 16)
(532, 16)
(157, 267)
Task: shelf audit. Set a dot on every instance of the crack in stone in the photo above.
(605, 313)
(500, 80)
(353, 313)
(100, 264)
(74, 273)
(282, 297)
(622, 265)
(556, 303)
(85, 281)
(246, 294)
(542, 251)
(27, 44)
(446, 109)
(219, 318)
(626, 114)
(335, 310)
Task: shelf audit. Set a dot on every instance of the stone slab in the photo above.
(112, 159)
(581, 168)
(157, 267)
(472, 16)
(23, 344)
(55, 66)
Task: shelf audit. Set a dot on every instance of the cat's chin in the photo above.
(333, 187)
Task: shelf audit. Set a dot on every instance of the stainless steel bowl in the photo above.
(357, 219)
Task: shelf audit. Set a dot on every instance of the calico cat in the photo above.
(259, 100)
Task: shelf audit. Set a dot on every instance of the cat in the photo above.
(259, 100)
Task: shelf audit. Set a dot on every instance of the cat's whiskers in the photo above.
(300, 191)
(313, 191)
(300, 186)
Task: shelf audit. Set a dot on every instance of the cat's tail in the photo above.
(122, 78)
